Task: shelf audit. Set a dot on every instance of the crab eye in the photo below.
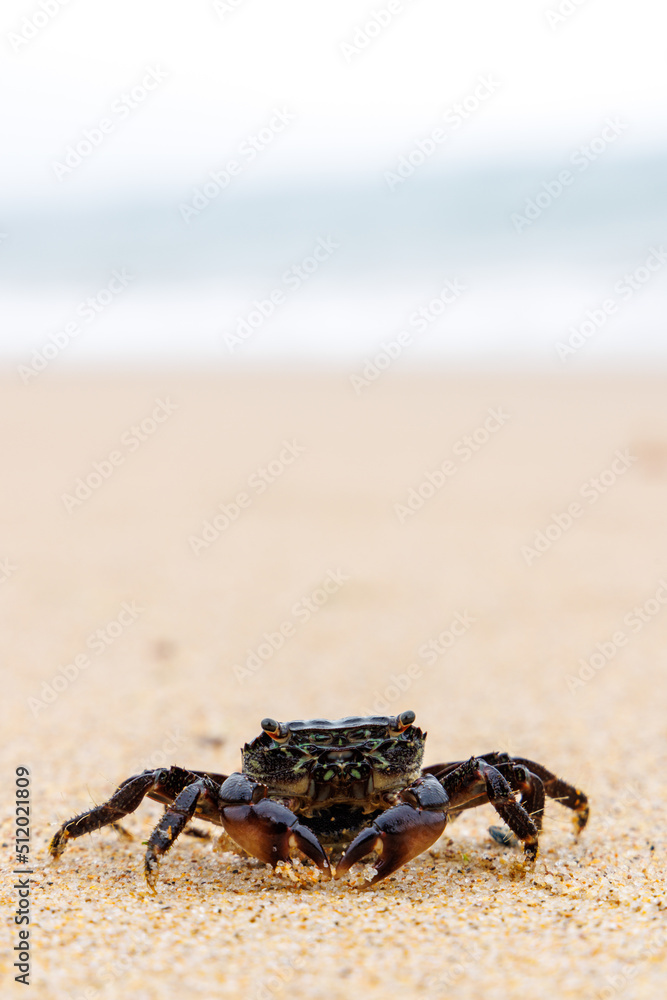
(274, 729)
(403, 721)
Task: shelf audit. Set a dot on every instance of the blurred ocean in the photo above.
(247, 257)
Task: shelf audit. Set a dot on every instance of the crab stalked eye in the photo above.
(274, 729)
(403, 721)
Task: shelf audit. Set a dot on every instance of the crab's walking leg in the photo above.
(264, 828)
(520, 779)
(531, 794)
(166, 782)
(403, 832)
(531, 788)
(558, 789)
(476, 776)
(175, 818)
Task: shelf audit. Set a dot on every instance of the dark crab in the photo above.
(355, 786)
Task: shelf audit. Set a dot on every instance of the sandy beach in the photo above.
(492, 554)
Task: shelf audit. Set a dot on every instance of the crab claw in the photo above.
(398, 835)
(268, 830)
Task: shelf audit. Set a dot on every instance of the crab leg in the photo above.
(558, 789)
(401, 833)
(476, 777)
(176, 816)
(265, 828)
(166, 782)
(533, 780)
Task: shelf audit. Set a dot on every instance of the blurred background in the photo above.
(424, 140)
(332, 382)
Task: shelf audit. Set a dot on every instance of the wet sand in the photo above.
(494, 556)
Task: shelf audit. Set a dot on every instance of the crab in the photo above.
(355, 786)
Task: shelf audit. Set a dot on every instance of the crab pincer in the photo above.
(400, 833)
(265, 828)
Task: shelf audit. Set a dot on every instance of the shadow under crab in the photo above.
(338, 791)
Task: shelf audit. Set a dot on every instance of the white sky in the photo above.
(355, 114)
(226, 73)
